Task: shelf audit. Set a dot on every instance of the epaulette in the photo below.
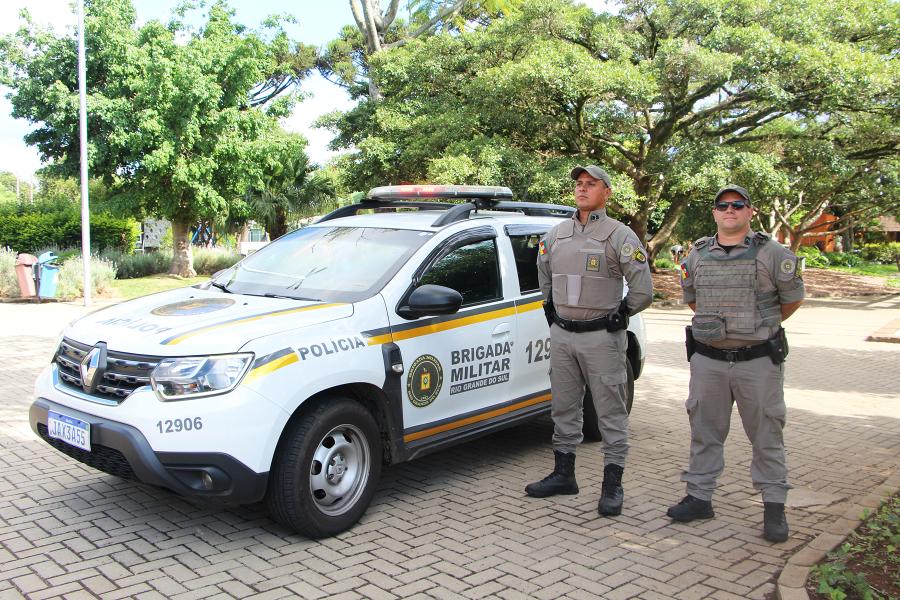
(701, 242)
(762, 238)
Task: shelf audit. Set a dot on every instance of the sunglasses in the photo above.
(736, 205)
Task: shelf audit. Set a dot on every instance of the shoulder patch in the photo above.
(788, 265)
(627, 249)
(542, 248)
(640, 256)
(684, 271)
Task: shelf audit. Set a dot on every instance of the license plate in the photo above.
(69, 429)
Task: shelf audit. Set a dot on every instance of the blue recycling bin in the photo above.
(47, 275)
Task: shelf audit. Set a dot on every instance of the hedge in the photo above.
(31, 232)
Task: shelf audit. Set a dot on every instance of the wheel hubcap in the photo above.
(340, 469)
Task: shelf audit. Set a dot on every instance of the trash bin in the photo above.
(47, 275)
(25, 274)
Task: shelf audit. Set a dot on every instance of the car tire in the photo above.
(326, 469)
(591, 426)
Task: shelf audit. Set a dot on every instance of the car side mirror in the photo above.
(430, 300)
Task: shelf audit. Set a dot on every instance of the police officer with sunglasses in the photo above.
(741, 285)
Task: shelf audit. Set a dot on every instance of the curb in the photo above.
(791, 584)
(889, 333)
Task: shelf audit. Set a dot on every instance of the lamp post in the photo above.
(85, 215)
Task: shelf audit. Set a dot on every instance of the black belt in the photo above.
(581, 326)
(732, 354)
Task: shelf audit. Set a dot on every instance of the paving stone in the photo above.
(456, 524)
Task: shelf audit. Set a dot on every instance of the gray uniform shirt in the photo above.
(777, 269)
(584, 266)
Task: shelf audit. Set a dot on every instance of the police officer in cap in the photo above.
(582, 263)
(741, 285)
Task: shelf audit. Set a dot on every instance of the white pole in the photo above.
(85, 215)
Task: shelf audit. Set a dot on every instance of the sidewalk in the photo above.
(457, 524)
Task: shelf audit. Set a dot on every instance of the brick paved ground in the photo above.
(457, 524)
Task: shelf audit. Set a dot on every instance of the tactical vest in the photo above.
(581, 276)
(729, 304)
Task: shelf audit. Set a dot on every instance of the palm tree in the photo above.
(290, 189)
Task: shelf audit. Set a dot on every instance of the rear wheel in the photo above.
(591, 426)
(328, 465)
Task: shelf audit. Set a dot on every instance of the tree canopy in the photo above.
(175, 119)
(675, 97)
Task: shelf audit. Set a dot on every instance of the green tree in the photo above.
(175, 116)
(845, 166)
(346, 59)
(289, 187)
(654, 92)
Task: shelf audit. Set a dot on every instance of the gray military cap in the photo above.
(594, 171)
(734, 188)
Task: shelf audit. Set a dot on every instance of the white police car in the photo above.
(390, 328)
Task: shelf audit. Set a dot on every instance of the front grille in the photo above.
(103, 458)
(124, 373)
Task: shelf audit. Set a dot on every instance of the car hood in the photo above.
(192, 321)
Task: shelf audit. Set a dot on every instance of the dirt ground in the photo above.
(820, 283)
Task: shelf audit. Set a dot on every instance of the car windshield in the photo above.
(332, 264)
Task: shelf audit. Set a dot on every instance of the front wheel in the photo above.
(591, 426)
(326, 470)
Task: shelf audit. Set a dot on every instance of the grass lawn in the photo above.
(141, 286)
(878, 270)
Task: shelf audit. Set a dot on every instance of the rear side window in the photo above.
(472, 270)
(525, 249)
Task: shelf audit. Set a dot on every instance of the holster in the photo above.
(549, 310)
(689, 342)
(618, 320)
(778, 346)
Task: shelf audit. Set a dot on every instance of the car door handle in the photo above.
(501, 329)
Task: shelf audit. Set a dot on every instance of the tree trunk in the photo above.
(182, 258)
(279, 224)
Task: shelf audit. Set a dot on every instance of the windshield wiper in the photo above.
(270, 295)
(221, 286)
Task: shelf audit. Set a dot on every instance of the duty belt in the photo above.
(732, 354)
(581, 326)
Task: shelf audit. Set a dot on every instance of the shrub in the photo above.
(130, 266)
(814, 257)
(71, 277)
(209, 260)
(29, 231)
(9, 285)
(885, 253)
(663, 263)
(843, 259)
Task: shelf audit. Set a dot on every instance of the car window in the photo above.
(525, 249)
(335, 264)
(472, 270)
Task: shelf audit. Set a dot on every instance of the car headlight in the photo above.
(197, 376)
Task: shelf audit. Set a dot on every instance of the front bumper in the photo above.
(122, 450)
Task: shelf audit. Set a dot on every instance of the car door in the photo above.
(457, 367)
(531, 361)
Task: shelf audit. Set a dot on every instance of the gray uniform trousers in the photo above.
(598, 359)
(757, 387)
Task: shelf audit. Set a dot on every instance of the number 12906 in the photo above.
(179, 425)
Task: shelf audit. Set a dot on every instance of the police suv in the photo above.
(391, 328)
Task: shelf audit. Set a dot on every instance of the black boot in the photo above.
(560, 481)
(775, 527)
(611, 494)
(690, 509)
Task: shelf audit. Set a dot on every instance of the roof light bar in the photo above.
(401, 192)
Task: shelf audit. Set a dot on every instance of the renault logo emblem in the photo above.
(92, 367)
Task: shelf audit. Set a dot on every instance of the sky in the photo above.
(318, 22)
